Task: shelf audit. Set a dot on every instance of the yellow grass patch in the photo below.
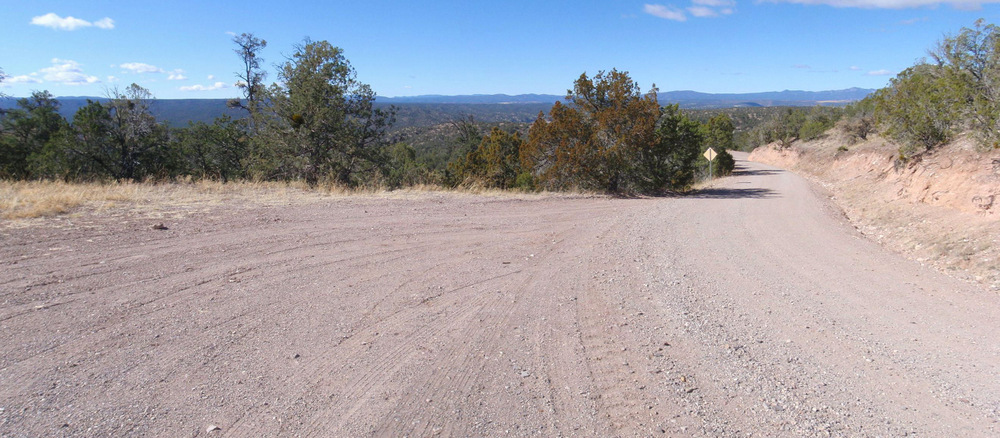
(31, 199)
(37, 199)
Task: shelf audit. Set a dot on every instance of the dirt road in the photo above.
(750, 309)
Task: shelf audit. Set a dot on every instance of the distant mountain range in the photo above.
(694, 99)
(177, 112)
(431, 109)
(686, 99)
(472, 99)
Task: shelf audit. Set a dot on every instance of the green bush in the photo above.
(920, 109)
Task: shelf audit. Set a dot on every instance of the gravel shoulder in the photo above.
(749, 308)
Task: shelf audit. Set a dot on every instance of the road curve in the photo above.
(750, 308)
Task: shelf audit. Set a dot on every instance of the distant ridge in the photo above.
(473, 99)
(176, 112)
(694, 99)
(420, 110)
(686, 98)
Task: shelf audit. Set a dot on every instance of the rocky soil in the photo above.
(751, 308)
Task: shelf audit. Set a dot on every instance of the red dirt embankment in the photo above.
(940, 207)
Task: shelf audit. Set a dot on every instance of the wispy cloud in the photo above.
(176, 75)
(882, 72)
(667, 12)
(105, 23)
(702, 11)
(54, 21)
(892, 4)
(801, 66)
(67, 72)
(23, 79)
(854, 68)
(140, 67)
(698, 9)
(199, 87)
(711, 8)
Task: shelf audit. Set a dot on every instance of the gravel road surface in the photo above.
(751, 308)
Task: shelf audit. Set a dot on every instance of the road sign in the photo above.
(710, 154)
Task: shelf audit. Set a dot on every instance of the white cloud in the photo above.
(140, 67)
(698, 9)
(667, 12)
(712, 8)
(891, 4)
(199, 87)
(56, 22)
(23, 79)
(702, 11)
(67, 72)
(70, 23)
(854, 68)
(714, 3)
(176, 75)
(882, 72)
(105, 23)
(211, 77)
(112, 79)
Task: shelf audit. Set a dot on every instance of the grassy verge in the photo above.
(21, 200)
(34, 199)
(31, 199)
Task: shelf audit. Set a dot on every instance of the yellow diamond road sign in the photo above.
(710, 154)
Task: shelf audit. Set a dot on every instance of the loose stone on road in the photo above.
(749, 308)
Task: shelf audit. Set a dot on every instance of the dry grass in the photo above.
(31, 199)
(23, 200)
(35, 199)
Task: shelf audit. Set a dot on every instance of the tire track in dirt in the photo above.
(744, 309)
(458, 316)
(455, 383)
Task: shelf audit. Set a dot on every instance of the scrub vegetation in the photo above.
(318, 124)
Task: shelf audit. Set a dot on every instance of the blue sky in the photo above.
(183, 49)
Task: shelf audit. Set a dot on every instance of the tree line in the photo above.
(318, 124)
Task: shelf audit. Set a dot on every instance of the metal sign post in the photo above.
(710, 154)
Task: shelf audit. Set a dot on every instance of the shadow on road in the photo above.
(740, 193)
(733, 193)
(742, 171)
